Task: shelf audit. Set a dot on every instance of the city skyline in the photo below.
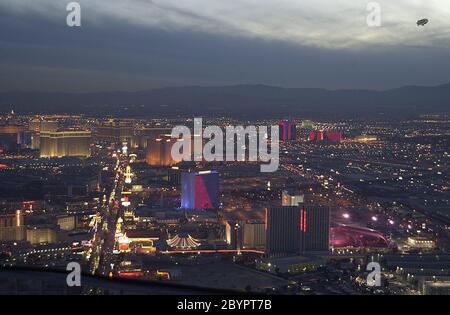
(78, 190)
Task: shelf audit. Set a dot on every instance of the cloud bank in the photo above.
(322, 23)
(138, 44)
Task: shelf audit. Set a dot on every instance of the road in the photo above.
(104, 238)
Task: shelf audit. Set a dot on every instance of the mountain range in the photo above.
(236, 100)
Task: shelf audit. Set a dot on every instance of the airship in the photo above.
(422, 22)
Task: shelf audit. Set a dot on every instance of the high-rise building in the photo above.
(41, 235)
(159, 151)
(65, 143)
(36, 126)
(143, 136)
(330, 136)
(253, 234)
(316, 228)
(116, 131)
(12, 227)
(200, 190)
(293, 230)
(245, 234)
(288, 130)
(283, 231)
(10, 136)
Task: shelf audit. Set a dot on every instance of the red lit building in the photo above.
(334, 136)
(200, 190)
(288, 131)
(330, 136)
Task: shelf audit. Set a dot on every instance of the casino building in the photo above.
(159, 151)
(65, 143)
(294, 230)
(200, 190)
(116, 131)
(288, 130)
(12, 227)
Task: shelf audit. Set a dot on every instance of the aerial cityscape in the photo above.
(106, 193)
(204, 183)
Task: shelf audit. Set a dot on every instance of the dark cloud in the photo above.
(38, 53)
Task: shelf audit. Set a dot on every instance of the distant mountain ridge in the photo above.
(236, 100)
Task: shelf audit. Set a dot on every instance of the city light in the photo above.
(226, 148)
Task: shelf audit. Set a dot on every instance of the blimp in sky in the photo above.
(422, 22)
